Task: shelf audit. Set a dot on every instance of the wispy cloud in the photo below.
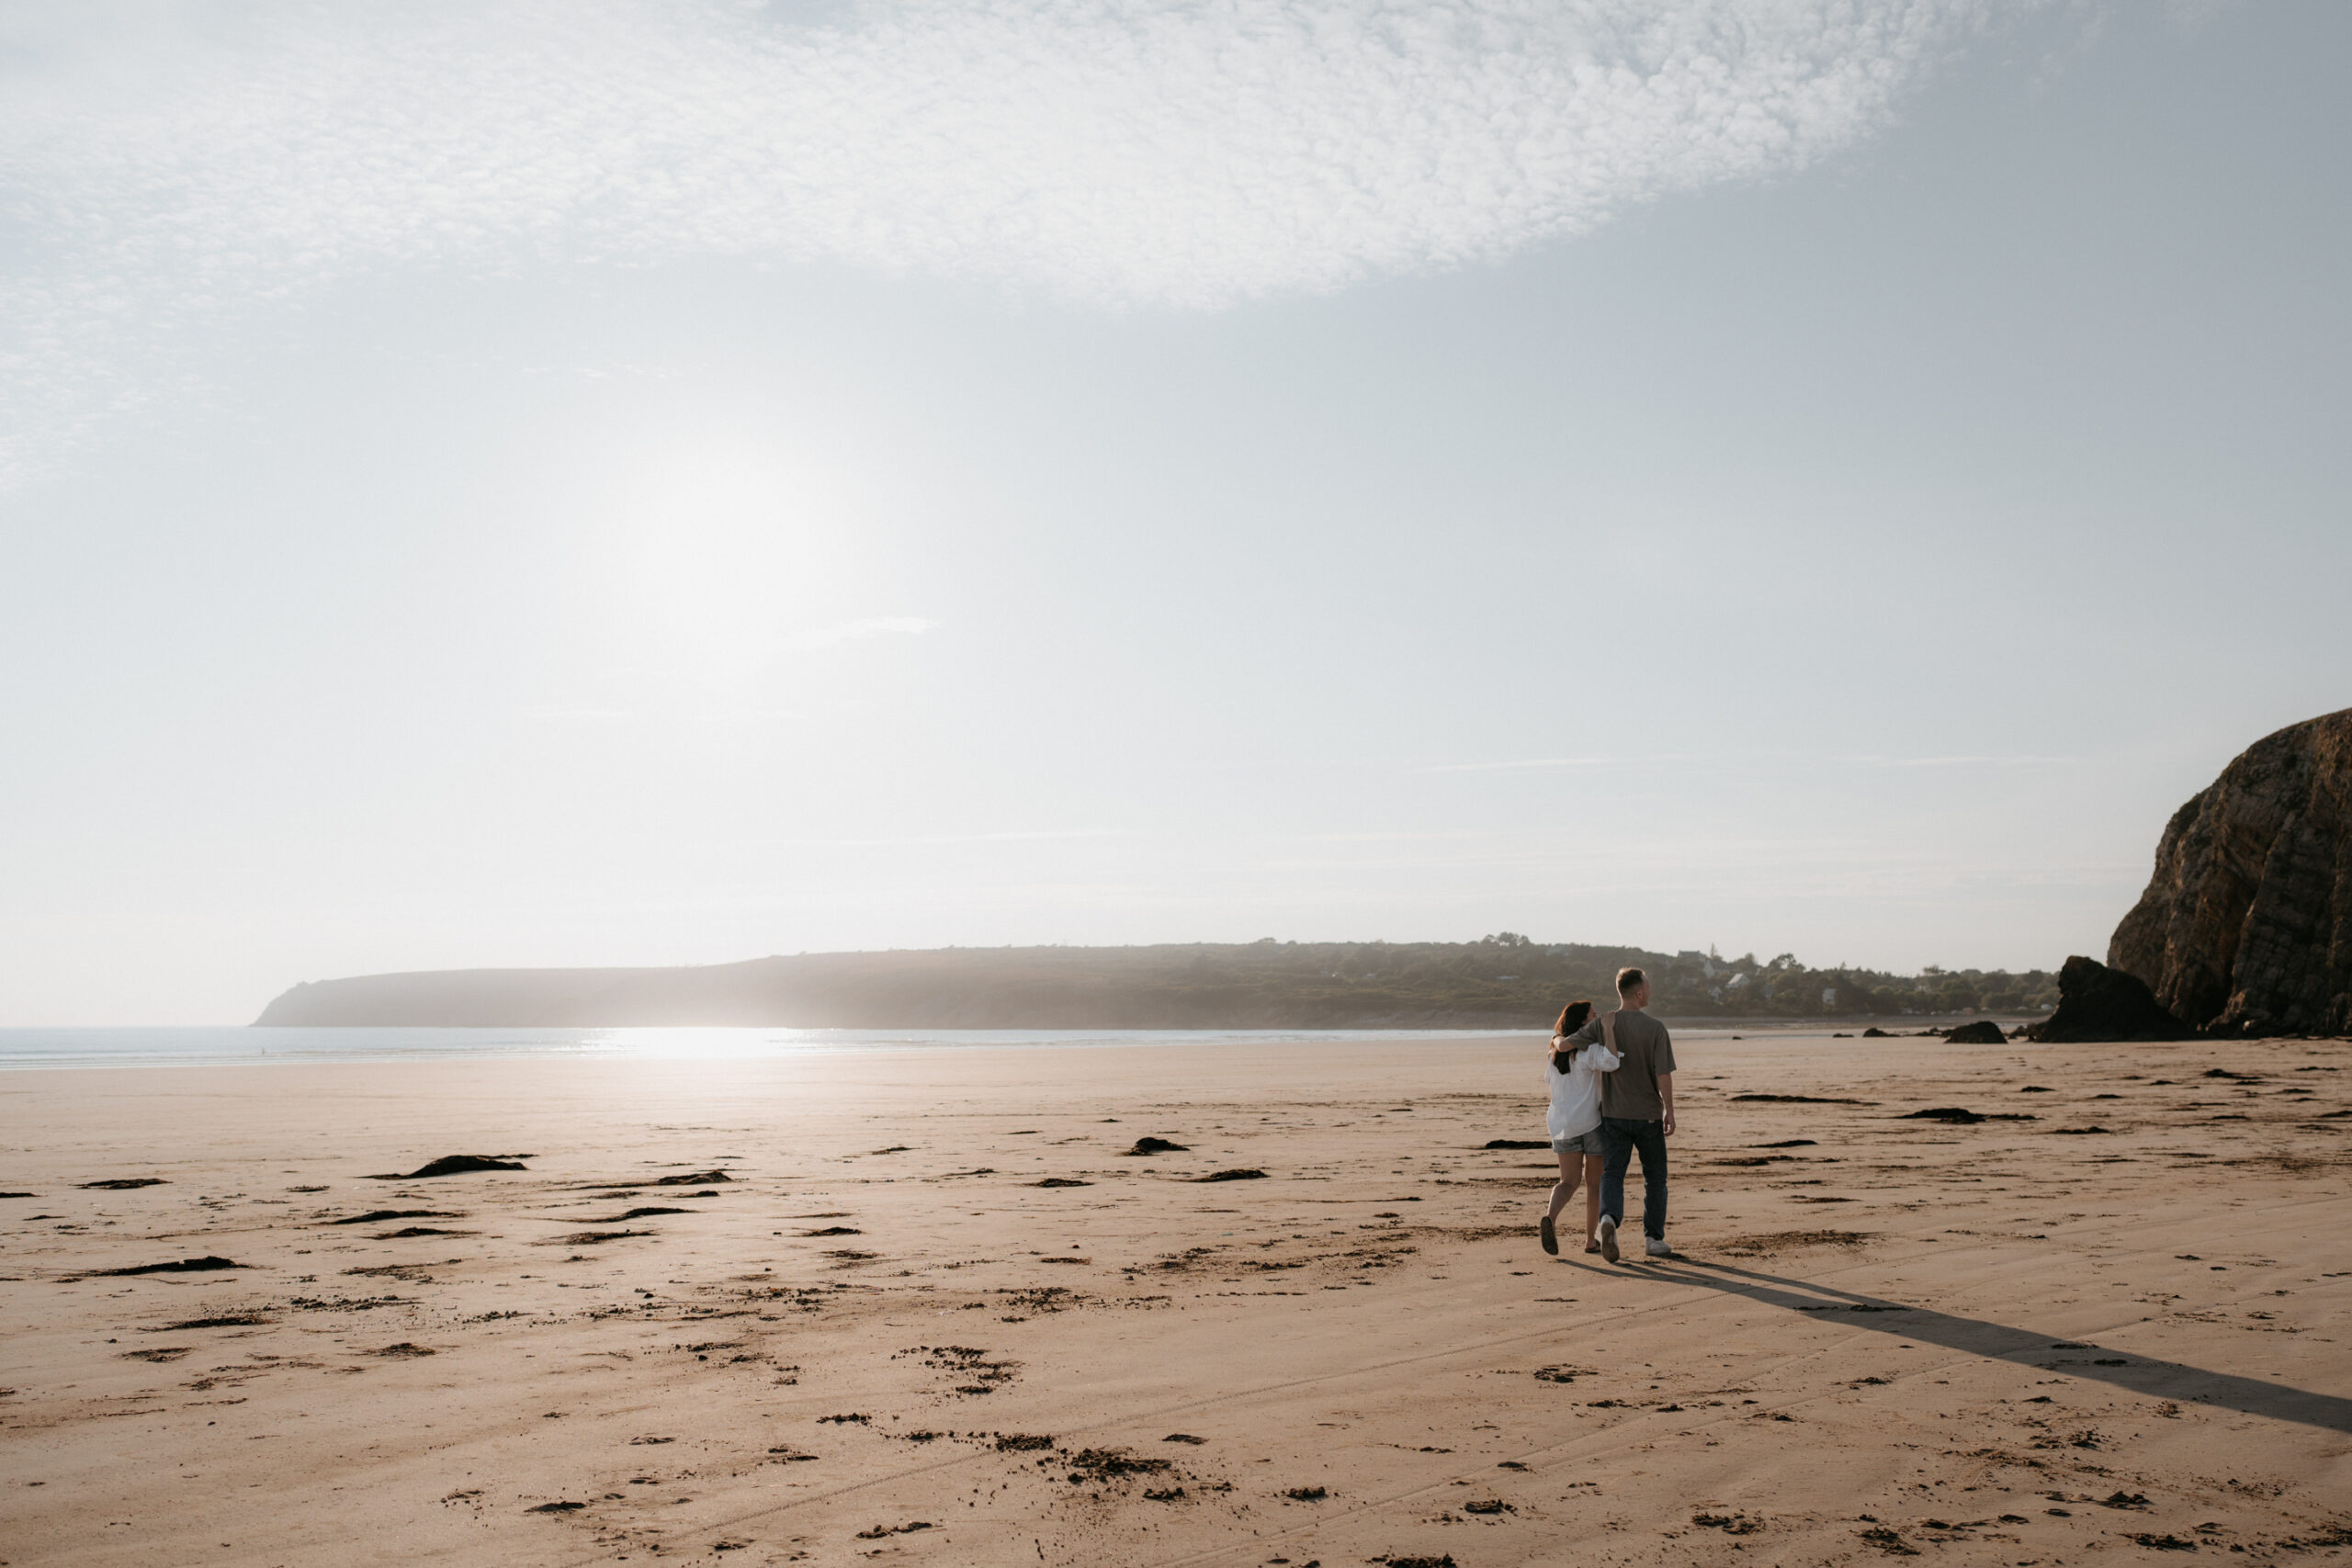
(1747, 759)
(165, 164)
(926, 841)
(854, 631)
(1560, 764)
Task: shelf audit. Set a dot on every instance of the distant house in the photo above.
(1697, 960)
(1829, 995)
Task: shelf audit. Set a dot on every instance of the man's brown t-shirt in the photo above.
(1631, 1092)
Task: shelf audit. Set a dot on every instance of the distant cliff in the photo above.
(1503, 981)
(2247, 925)
(1268, 985)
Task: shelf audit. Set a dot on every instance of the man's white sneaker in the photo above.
(1657, 1247)
(1608, 1239)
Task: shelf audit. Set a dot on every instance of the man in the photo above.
(1637, 1112)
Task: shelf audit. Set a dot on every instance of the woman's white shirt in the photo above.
(1576, 1094)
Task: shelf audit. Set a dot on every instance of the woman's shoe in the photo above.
(1551, 1236)
(1591, 1245)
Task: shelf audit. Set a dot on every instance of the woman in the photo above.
(1574, 1122)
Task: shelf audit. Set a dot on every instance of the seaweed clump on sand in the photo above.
(457, 1165)
(219, 1320)
(179, 1266)
(1110, 1464)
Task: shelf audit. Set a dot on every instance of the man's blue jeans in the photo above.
(1620, 1137)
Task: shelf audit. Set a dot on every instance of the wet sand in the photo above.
(946, 1319)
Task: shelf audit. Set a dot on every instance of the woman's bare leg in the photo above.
(1565, 1188)
(1592, 1164)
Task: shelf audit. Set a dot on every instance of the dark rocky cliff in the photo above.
(2247, 925)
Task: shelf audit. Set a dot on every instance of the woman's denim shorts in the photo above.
(1582, 1144)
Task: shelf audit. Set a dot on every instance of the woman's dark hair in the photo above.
(1573, 1017)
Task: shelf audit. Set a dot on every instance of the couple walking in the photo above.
(1611, 1078)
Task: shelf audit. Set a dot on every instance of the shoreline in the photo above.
(115, 1047)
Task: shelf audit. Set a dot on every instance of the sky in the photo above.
(666, 481)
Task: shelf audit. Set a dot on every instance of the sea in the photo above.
(236, 1046)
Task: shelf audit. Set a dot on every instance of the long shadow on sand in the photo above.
(2162, 1380)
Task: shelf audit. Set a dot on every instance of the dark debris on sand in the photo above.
(120, 1184)
(457, 1165)
(1158, 1147)
(1730, 1524)
(1243, 1175)
(347, 1304)
(182, 1265)
(1960, 1116)
(377, 1216)
(1106, 1464)
(220, 1320)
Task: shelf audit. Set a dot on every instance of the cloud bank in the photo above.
(165, 164)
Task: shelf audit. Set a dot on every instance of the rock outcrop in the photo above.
(2246, 926)
(2095, 1002)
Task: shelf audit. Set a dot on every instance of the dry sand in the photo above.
(886, 1337)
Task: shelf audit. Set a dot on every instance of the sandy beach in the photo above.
(925, 1307)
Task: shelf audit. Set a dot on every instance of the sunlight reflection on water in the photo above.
(23, 1049)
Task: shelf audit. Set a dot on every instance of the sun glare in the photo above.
(712, 564)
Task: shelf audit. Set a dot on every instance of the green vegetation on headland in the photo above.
(1504, 980)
